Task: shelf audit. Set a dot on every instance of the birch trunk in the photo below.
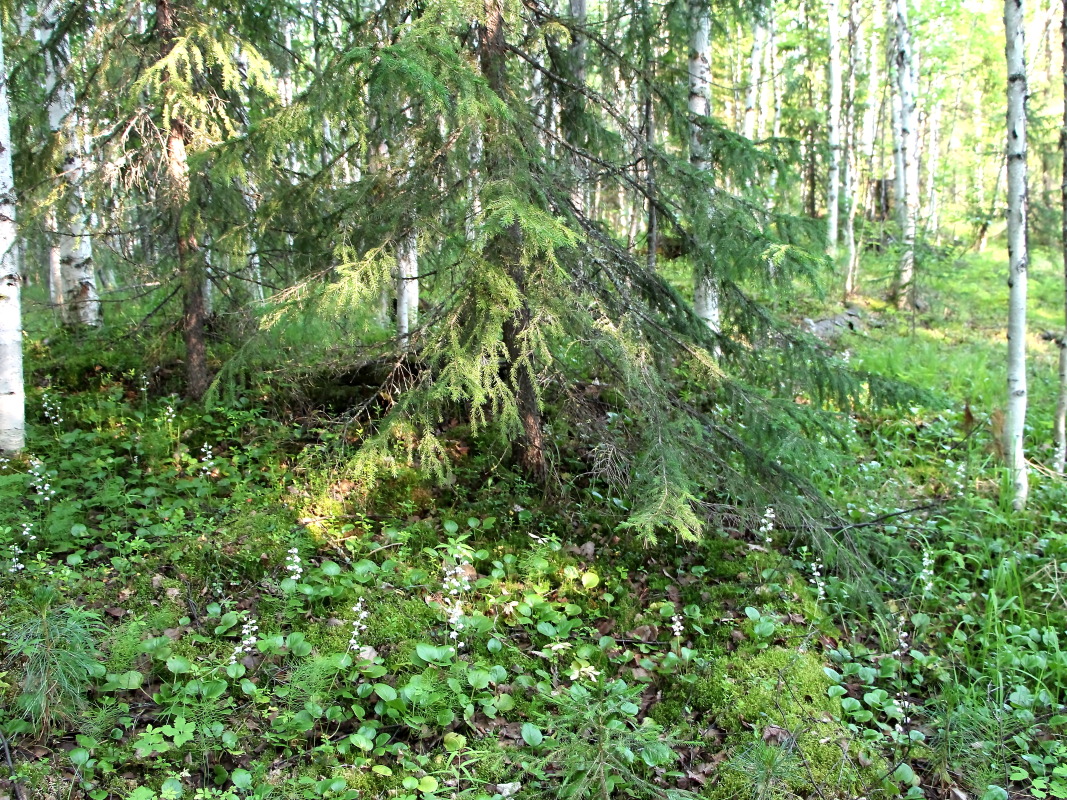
(706, 302)
(851, 156)
(1015, 418)
(407, 290)
(12, 390)
(833, 183)
(79, 302)
(752, 93)
(1060, 423)
(932, 165)
(904, 284)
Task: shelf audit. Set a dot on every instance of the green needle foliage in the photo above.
(53, 647)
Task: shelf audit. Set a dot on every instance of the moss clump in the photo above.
(782, 695)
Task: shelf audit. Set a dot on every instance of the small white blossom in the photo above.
(357, 624)
(292, 563)
(248, 639)
(677, 626)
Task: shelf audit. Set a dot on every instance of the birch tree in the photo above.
(706, 300)
(71, 253)
(12, 391)
(908, 161)
(1060, 422)
(833, 182)
(1015, 418)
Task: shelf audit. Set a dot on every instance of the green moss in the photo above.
(786, 689)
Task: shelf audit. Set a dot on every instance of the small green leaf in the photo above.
(590, 580)
(454, 741)
(179, 664)
(241, 778)
(385, 692)
(531, 734)
(79, 756)
(381, 769)
(331, 568)
(428, 784)
(494, 645)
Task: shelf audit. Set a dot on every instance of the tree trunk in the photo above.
(904, 284)
(407, 289)
(851, 155)
(1060, 423)
(752, 93)
(507, 246)
(706, 301)
(78, 300)
(833, 182)
(1015, 418)
(194, 308)
(12, 390)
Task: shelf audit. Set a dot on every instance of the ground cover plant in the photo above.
(196, 605)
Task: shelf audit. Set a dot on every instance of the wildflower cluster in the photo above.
(766, 525)
(817, 580)
(677, 626)
(357, 624)
(16, 562)
(207, 460)
(926, 577)
(52, 412)
(169, 415)
(144, 384)
(248, 640)
(455, 582)
(902, 644)
(27, 531)
(39, 481)
(292, 563)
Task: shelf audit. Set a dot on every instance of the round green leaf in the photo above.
(531, 734)
(241, 778)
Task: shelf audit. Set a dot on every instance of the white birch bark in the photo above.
(1059, 428)
(407, 293)
(833, 182)
(1015, 418)
(904, 285)
(899, 198)
(851, 194)
(752, 93)
(932, 165)
(12, 390)
(80, 303)
(705, 293)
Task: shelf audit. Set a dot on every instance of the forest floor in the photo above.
(193, 604)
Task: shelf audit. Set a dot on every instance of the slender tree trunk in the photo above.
(752, 92)
(850, 152)
(904, 284)
(407, 290)
(1018, 256)
(932, 166)
(833, 182)
(873, 100)
(190, 266)
(507, 246)
(12, 390)
(706, 301)
(1060, 423)
(79, 303)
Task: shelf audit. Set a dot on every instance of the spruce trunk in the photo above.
(506, 246)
